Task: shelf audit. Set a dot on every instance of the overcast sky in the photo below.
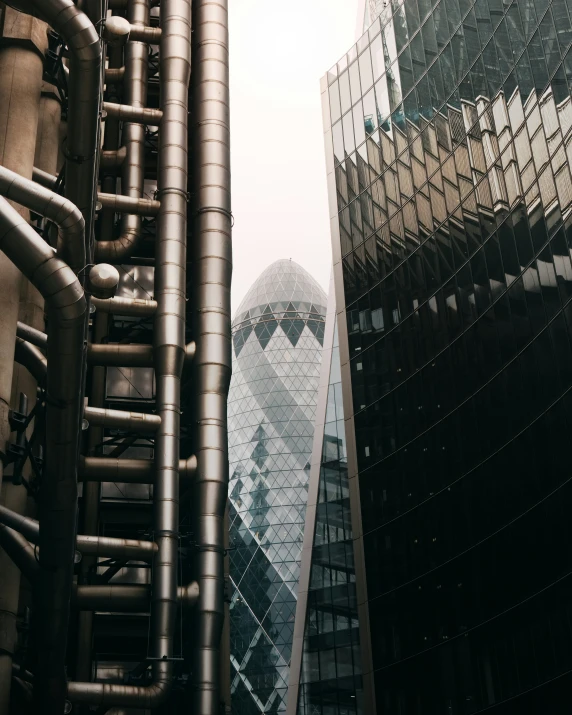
(278, 53)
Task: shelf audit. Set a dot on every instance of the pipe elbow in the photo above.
(118, 249)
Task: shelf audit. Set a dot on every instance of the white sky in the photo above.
(278, 53)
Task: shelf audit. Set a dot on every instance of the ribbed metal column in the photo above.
(212, 267)
(169, 333)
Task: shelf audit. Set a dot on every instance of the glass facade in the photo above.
(278, 334)
(449, 148)
(329, 678)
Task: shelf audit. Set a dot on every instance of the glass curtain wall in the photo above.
(450, 148)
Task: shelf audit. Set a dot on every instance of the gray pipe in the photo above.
(119, 203)
(120, 355)
(94, 545)
(52, 206)
(66, 307)
(122, 419)
(114, 75)
(126, 306)
(135, 471)
(126, 598)
(142, 33)
(21, 552)
(128, 113)
(32, 359)
(212, 267)
(112, 158)
(32, 335)
(133, 138)
(169, 344)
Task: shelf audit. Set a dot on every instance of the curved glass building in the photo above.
(449, 150)
(278, 333)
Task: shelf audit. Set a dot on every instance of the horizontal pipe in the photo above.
(135, 471)
(145, 33)
(125, 598)
(32, 335)
(122, 419)
(32, 359)
(111, 158)
(127, 204)
(127, 113)
(126, 306)
(52, 206)
(43, 178)
(120, 355)
(114, 75)
(29, 529)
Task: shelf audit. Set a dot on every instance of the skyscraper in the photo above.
(278, 333)
(448, 145)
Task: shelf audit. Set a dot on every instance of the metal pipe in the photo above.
(67, 310)
(114, 75)
(126, 598)
(52, 206)
(135, 471)
(212, 267)
(112, 158)
(121, 419)
(142, 33)
(21, 552)
(120, 355)
(126, 306)
(32, 359)
(129, 113)
(121, 204)
(169, 344)
(133, 138)
(94, 545)
(32, 335)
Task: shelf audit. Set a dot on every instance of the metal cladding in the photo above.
(210, 306)
(109, 367)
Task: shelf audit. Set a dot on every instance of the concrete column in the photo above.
(23, 42)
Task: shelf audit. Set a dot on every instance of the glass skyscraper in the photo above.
(449, 155)
(278, 333)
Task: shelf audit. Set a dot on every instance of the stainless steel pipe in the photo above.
(21, 552)
(67, 312)
(126, 597)
(129, 113)
(120, 355)
(122, 419)
(145, 33)
(32, 335)
(52, 206)
(212, 267)
(32, 359)
(135, 471)
(126, 306)
(112, 158)
(124, 204)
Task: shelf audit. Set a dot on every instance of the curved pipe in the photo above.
(52, 206)
(114, 75)
(129, 113)
(121, 419)
(67, 312)
(32, 359)
(111, 158)
(135, 471)
(126, 306)
(120, 355)
(212, 268)
(21, 552)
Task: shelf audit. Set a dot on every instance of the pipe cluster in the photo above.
(173, 161)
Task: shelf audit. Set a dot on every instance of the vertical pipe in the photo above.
(212, 268)
(133, 172)
(169, 332)
(21, 68)
(90, 502)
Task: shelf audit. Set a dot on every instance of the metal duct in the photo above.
(129, 113)
(52, 206)
(114, 75)
(112, 158)
(126, 597)
(21, 552)
(135, 471)
(139, 33)
(32, 335)
(133, 138)
(66, 307)
(119, 203)
(212, 267)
